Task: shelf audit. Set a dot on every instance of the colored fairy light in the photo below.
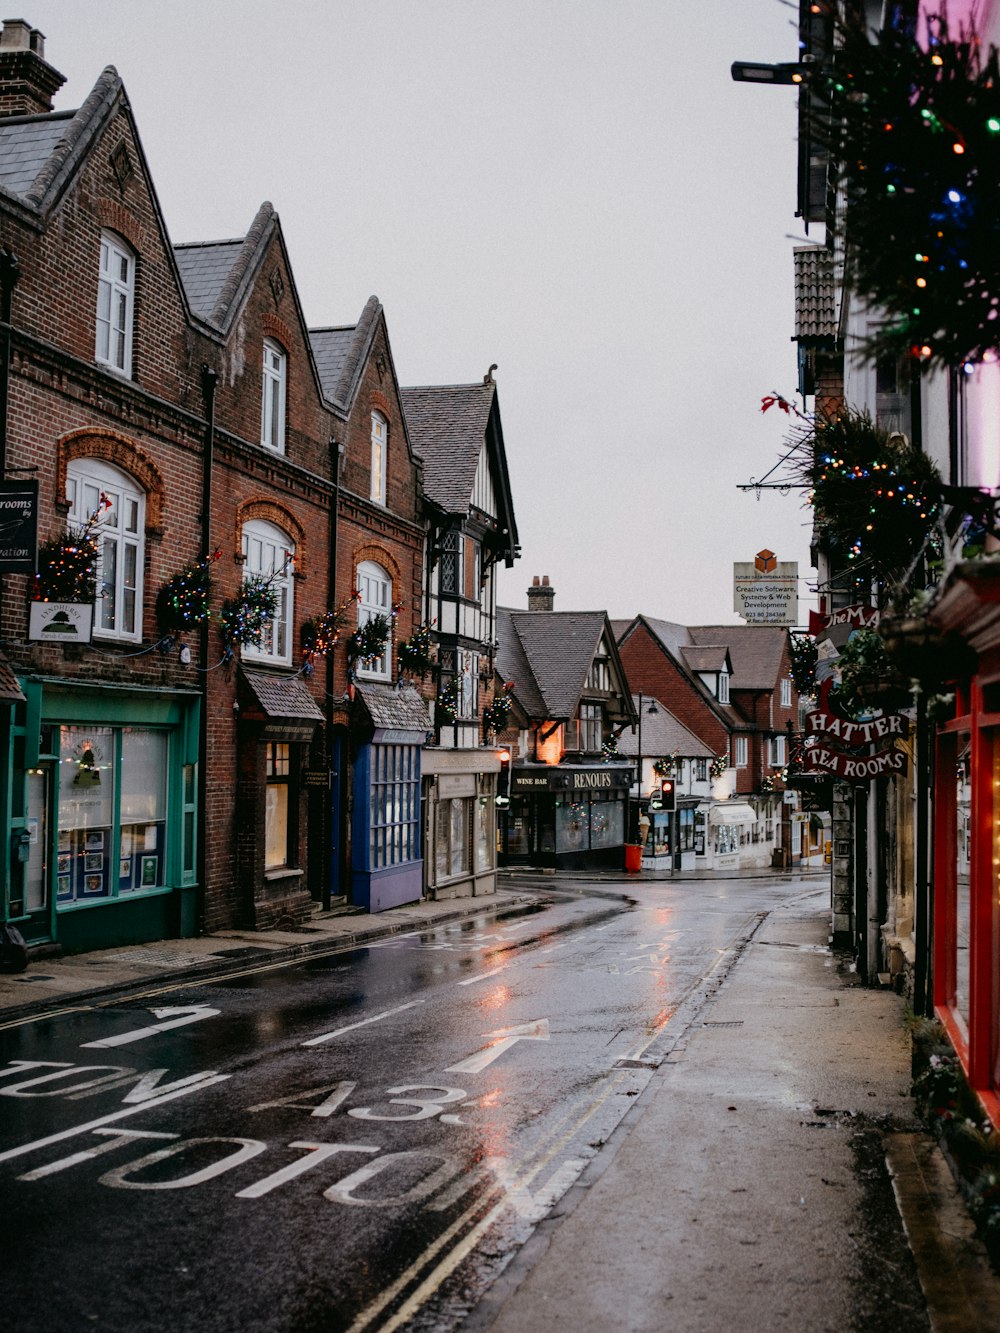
(958, 148)
(993, 125)
(954, 197)
(921, 282)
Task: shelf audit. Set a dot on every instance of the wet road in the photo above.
(358, 1141)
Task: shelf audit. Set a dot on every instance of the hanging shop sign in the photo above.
(856, 767)
(18, 526)
(824, 722)
(856, 617)
(60, 622)
(766, 590)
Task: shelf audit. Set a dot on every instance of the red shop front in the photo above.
(966, 902)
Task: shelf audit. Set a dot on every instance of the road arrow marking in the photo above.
(175, 1018)
(501, 1041)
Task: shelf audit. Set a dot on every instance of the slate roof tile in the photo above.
(662, 734)
(204, 268)
(396, 709)
(447, 428)
(558, 648)
(26, 144)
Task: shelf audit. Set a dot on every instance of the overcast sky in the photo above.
(573, 189)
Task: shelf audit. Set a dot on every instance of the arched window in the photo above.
(95, 487)
(375, 587)
(115, 304)
(269, 554)
(272, 399)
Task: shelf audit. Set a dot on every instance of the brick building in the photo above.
(166, 772)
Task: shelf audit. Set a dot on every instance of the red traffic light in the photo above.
(668, 794)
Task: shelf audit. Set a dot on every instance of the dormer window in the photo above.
(272, 398)
(115, 305)
(723, 687)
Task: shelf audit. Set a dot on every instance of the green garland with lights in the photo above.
(414, 654)
(67, 565)
(182, 604)
(664, 767)
(244, 620)
(804, 655)
(913, 118)
(446, 703)
(321, 634)
(496, 715)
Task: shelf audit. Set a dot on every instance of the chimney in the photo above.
(27, 82)
(540, 596)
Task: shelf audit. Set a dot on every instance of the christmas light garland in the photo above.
(182, 604)
(67, 566)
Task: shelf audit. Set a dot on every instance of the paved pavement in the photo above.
(733, 1193)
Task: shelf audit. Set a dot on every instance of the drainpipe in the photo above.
(9, 274)
(335, 839)
(208, 386)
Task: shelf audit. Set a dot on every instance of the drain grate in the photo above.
(734, 1023)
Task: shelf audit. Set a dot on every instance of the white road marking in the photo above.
(177, 1018)
(483, 976)
(351, 1027)
(501, 1041)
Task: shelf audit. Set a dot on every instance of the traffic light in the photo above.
(668, 794)
(503, 779)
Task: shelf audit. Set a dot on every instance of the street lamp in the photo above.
(652, 710)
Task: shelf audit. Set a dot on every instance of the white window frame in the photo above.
(115, 305)
(723, 687)
(272, 397)
(269, 552)
(121, 537)
(375, 587)
(380, 452)
(777, 752)
(741, 752)
(786, 692)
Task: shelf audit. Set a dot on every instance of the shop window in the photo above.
(375, 588)
(452, 838)
(394, 811)
(685, 834)
(115, 305)
(483, 812)
(111, 812)
(268, 554)
(276, 823)
(272, 398)
(94, 487)
(380, 441)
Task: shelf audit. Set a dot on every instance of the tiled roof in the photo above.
(558, 647)
(9, 688)
(815, 310)
(282, 696)
(513, 665)
(330, 351)
(754, 650)
(395, 709)
(447, 428)
(26, 144)
(662, 734)
(705, 657)
(204, 268)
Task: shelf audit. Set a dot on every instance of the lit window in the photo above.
(380, 439)
(268, 554)
(786, 693)
(272, 401)
(115, 305)
(375, 588)
(276, 806)
(94, 487)
(740, 751)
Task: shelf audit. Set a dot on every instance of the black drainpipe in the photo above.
(335, 830)
(208, 385)
(9, 274)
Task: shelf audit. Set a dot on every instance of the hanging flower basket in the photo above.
(920, 651)
(718, 766)
(664, 768)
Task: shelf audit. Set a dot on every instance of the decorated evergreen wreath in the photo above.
(67, 565)
(496, 715)
(414, 654)
(183, 602)
(243, 620)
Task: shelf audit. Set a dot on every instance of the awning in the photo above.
(282, 704)
(733, 812)
(398, 714)
(10, 691)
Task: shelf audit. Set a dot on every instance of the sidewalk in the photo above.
(756, 1181)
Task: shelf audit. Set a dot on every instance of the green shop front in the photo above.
(566, 817)
(101, 797)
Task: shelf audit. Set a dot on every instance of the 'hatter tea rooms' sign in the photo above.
(766, 592)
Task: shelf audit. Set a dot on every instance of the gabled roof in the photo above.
(662, 734)
(676, 641)
(222, 272)
(331, 348)
(548, 655)
(341, 354)
(447, 425)
(755, 651)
